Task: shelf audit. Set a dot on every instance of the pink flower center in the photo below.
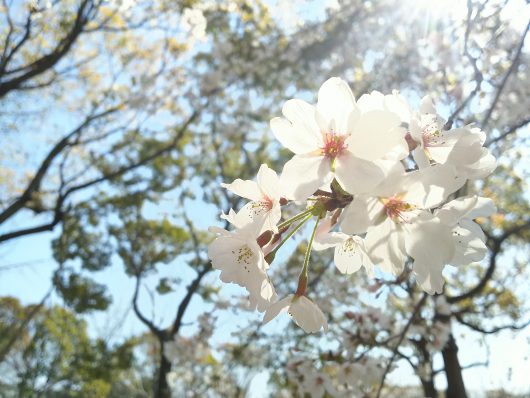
(333, 145)
(394, 207)
(432, 135)
(262, 206)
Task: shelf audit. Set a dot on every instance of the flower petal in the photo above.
(357, 175)
(427, 105)
(348, 256)
(300, 132)
(429, 187)
(452, 212)
(468, 240)
(261, 293)
(303, 175)
(275, 309)
(375, 134)
(245, 188)
(430, 244)
(362, 213)
(336, 103)
(385, 245)
(307, 315)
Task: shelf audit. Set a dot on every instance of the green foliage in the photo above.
(55, 356)
(81, 293)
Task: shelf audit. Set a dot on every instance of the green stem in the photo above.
(270, 257)
(308, 251)
(295, 218)
(302, 279)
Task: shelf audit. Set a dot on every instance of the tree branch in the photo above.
(84, 13)
(495, 250)
(192, 288)
(502, 85)
(34, 185)
(400, 340)
(152, 327)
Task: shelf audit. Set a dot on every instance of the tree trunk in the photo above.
(162, 389)
(453, 371)
(429, 391)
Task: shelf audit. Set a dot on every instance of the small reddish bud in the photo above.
(349, 315)
(264, 238)
(276, 238)
(283, 201)
(411, 142)
(335, 216)
(302, 286)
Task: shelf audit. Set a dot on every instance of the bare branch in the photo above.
(508, 73)
(417, 309)
(152, 327)
(35, 183)
(192, 288)
(494, 330)
(509, 131)
(46, 62)
(495, 250)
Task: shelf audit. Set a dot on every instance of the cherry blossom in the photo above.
(397, 222)
(461, 147)
(350, 253)
(240, 259)
(304, 312)
(334, 139)
(468, 237)
(265, 198)
(348, 170)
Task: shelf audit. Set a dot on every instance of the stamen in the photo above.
(394, 208)
(333, 145)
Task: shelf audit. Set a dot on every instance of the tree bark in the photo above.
(453, 370)
(162, 389)
(429, 391)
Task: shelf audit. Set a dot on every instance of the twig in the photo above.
(398, 344)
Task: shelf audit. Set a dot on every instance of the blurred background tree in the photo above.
(118, 121)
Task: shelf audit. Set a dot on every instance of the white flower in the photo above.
(394, 102)
(461, 147)
(335, 140)
(468, 237)
(360, 376)
(309, 380)
(350, 253)
(398, 223)
(265, 197)
(305, 313)
(194, 22)
(240, 259)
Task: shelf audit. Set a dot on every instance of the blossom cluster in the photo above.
(335, 379)
(376, 177)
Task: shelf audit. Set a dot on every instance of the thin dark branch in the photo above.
(84, 13)
(495, 250)
(417, 308)
(508, 73)
(16, 334)
(477, 74)
(34, 185)
(59, 212)
(152, 327)
(119, 172)
(509, 131)
(192, 288)
(494, 330)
